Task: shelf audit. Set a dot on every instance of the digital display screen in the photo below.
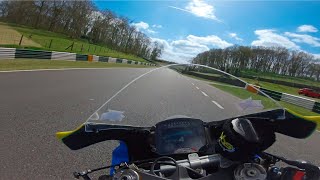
(178, 136)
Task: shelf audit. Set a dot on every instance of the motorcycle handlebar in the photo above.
(194, 161)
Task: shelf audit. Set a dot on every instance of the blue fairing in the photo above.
(119, 155)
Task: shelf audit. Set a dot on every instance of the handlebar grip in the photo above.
(291, 173)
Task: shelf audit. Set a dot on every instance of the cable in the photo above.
(192, 170)
(162, 158)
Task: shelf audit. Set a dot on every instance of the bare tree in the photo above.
(277, 60)
(80, 19)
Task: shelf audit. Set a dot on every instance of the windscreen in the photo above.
(190, 90)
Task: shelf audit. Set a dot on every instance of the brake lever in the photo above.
(312, 170)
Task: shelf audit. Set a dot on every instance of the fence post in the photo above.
(82, 48)
(21, 40)
(95, 48)
(89, 48)
(50, 43)
(71, 46)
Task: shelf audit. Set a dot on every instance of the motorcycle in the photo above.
(224, 129)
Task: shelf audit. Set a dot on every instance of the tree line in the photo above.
(277, 60)
(81, 19)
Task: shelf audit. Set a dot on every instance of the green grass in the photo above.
(267, 85)
(60, 42)
(199, 78)
(25, 64)
(273, 76)
(277, 87)
(243, 94)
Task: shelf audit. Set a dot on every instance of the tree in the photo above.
(260, 59)
(80, 19)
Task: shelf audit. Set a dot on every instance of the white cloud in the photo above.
(211, 40)
(269, 38)
(141, 25)
(151, 31)
(317, 56)
(185, 49)
(307, 28)
(199, 8)
(156, 26)
(304, 38)
(235, 36)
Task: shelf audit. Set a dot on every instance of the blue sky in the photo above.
(186, 28)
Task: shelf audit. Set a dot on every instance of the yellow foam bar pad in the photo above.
(63, 134)
(310, 118)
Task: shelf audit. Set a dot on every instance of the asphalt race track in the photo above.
(35, 105)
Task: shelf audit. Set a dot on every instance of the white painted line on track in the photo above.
(192, 83)
(217, 104)
(197, 87)
(204, 93)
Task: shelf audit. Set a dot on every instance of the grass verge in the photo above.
(27, 64)
(273, 76)
(277, 87)
(267, 85)
(242, 94)
(46, 40)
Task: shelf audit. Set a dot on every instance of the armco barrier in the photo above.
(274, 94)
(63, 56)
(13, 53)
(81, 57)
(7, 53)
(103, 59)
(112, 60)
(90, 58)
(279, 96)
(95, 58)
(119, 60)
(124, 61)
(299, 101)
(32, 54)
(215, 78)
(290, 84)
(295, 100)
(316, 107)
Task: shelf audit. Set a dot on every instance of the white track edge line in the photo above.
(204, 93)
(217, 104)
